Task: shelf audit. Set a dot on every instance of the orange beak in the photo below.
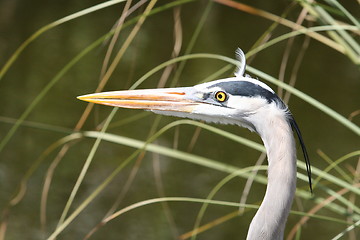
(163, 99)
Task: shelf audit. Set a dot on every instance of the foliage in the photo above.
(66, 208)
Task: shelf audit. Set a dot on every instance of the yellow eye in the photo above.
(221, 96)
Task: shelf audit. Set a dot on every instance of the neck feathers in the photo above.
(276, 133)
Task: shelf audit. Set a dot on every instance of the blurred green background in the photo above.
(325, 74)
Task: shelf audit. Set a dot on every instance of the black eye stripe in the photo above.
(246, 89)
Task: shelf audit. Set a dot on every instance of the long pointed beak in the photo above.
(163, 99)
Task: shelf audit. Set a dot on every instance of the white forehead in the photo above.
(206, 85)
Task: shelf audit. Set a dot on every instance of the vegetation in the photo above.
(70, 171)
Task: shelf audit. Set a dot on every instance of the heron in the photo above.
(244, 101)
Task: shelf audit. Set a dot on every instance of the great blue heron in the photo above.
(243, 101)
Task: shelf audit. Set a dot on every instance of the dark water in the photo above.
(325, 74)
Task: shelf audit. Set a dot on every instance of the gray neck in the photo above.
(270, 219)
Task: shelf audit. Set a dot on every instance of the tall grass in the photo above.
(114, 172)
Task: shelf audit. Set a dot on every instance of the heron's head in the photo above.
(243, 101)
(238, 100)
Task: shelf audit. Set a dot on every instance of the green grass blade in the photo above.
(312, 101)
(346, 12)
(49, 26)
(206, 162)
(68, 66)
(46, 89)
(85, 167)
